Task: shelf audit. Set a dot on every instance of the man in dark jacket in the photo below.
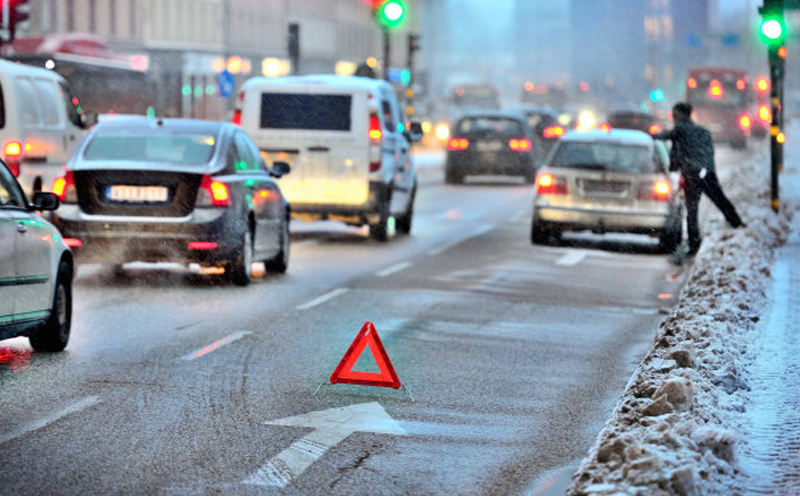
(692, 154)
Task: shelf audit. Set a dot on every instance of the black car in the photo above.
(490, 143)
(634, 119)
(546, 128)
(175, 190)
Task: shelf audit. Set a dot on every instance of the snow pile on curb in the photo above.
(674, 431)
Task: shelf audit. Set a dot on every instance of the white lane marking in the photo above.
(81, 405)
(572, 258)
(322, 299)
(394, 268)
(205, 350)
(330, 428)
(478, 232)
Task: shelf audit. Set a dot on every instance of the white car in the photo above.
(35, 269)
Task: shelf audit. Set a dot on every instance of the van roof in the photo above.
(319, 80)
(16, 68)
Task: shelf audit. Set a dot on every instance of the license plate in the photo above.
(489, 146)
(137, 194)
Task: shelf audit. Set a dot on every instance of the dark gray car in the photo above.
(174, 190)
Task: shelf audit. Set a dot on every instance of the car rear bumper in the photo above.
(362, 213)
(606, 220)
(115, 239)
(490, 163)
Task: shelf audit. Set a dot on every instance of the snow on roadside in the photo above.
(675, 429)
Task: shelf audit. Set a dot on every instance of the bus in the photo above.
(722, 99)
(103, 81)
(475, 96)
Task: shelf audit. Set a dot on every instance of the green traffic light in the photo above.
(391, 13)
(773, 30)
(657, 95)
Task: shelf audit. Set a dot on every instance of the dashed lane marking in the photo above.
(45, 421)
(205, 350)
(393, 269)
(322, 299)
(478, 232)
(572, 258)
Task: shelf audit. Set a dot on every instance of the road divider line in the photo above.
(394, 268)
(43, 422)
(322, 299)
(572, 258)
(478, 232)
(205, 350)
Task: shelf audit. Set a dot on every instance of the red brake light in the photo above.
(745, 122)
(764, 113)
(655, 128)
(658, 191)
(605, 127)
(237, 117)
(64, 188)
(553, 131)
(73, 242)
(13, 154)
(212, 193)
(715, 90)
(762, 85)
(375, 132)
(456, 144)
(691, 83)
(202, 245)
(520, 145)
(548, 184)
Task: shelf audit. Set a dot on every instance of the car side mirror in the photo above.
(280, 169)
(414, 132)
(44, 200)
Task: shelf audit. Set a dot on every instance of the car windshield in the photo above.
(175, 148)
(603, 156)
(489, 125)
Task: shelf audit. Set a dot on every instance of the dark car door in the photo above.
(263, 196)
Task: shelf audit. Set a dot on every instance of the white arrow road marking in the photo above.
(572, 258)
(330, 428)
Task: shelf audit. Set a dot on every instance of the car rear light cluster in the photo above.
(520, 145)
(237, 117)
(764, 113)
(456, 144)
(212, 193)
(658, 191)
(654, 129)
(375, 138)
(13, 156)
(745, 122)
(548, 184)
(553, 131)
(64, 188)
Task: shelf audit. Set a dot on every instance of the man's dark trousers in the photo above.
(693, 188)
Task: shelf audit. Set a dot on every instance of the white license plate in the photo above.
(489, 146)
(138, 194)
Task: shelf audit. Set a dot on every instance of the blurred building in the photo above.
(189, 42)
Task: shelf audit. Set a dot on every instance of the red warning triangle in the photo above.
(344, 372)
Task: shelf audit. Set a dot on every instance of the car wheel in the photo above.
(240, 269)
(403, 222)
(539, 235)
(380, 230)
(671, 239)
(452, 176)
(54, 334)
(280, 262)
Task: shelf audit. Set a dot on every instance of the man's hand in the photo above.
(703, 173)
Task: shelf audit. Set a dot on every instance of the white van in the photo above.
(345, 142)
(40, 124)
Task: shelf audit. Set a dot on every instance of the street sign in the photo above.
(225, 83)
(330, 428)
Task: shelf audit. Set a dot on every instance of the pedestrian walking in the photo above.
(692, 154)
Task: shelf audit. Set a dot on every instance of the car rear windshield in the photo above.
(175, 148)
(490, 125)
(302, 111)
(604, 156)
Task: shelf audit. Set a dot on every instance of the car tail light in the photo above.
(212, 193)
(654, 129)
(13, 155)
(605, 127)
(745, 122)
(691, 83)
(202, 245)
(553, 131)
(548, 184)
(73, 242)
(715, 90)
(64, 188)
(237, 117)
(764, 113)
(456, 144)
(375, 136)
(520, 145)
(658, 191)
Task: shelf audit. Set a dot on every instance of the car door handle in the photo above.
(21, 228)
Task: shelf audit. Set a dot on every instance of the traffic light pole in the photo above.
(387, 49)
(776, 145)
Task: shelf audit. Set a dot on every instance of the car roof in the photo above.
(510, 114)
(319, 79)
(623, 136)
(130, 122)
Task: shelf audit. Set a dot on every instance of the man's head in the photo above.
(681, 111)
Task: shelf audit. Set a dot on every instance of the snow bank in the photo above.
(676, 427)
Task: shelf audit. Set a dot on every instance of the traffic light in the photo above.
(773, 27)
(391, 14)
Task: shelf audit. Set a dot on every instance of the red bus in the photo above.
(721, 98)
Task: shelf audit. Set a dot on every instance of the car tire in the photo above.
(671, 239)
(54, 334)
(452, 176)
(539, 235)
(402, 223)
(240, 269)
(379, 231)
(280, 262)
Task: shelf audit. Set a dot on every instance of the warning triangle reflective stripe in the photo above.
(344, 373)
